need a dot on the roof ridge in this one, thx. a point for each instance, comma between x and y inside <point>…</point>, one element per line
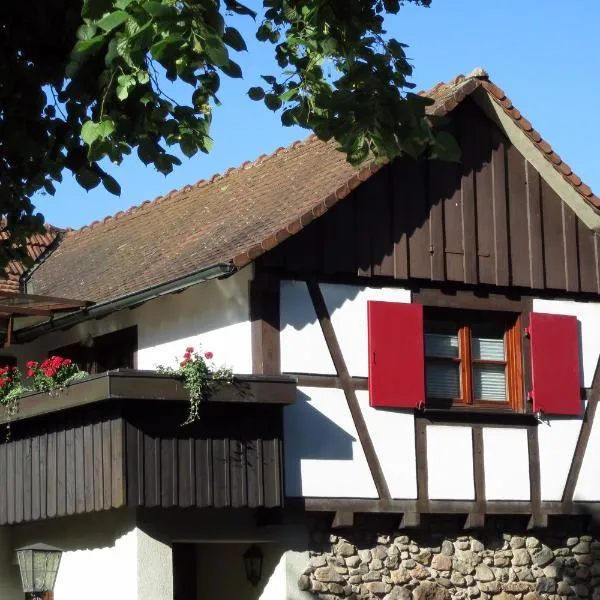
<point>69,231</point>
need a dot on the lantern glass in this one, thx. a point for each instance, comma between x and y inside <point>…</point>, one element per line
<point>38,564</point>
<point>253,559</point>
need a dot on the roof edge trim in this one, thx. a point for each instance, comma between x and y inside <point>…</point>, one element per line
<point>588,215</point>
<point>216,271</point>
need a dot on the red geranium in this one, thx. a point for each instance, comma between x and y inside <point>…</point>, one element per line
<point>208,355</point>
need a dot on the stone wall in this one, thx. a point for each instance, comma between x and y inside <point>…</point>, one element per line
<point>459,567</point>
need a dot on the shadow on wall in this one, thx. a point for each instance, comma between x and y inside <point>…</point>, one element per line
<point>326,440</point>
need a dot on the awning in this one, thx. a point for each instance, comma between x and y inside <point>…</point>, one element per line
<point>13,304</point>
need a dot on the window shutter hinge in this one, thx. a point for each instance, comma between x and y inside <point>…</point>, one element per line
<point>527,332</point>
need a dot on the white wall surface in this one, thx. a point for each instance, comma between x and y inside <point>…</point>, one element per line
<point>588,314</point>
<point>213,315</point>
<point>557,439</point>
<point>450,463</point>
<point>324,457</point>
<point>588,483</point>
<point>303,347</point>
<point>347,305</point>
<point>506,463</point>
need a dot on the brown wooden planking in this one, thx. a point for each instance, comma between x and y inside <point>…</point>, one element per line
<point>399,219</point>
<point>501,235</point>
<point>79,471</point>
<point>70,477</point>
<point>61,472</point>
<point>535,493</point>
<point>19,482</point>
<point>88,467</point>
<point>185,472</point>
<point>382,225</point>
<point>43,475</point>
<point>27,468</point>
<point>204,474</point>
<point>534,220</point>
<point>470,166</point>
<point>421,465</point>
<point>117,440</point>
<point>569,221</point>
<point>554,249</point>
<point>51,487</point>
<point>98,473</point>
<point>500,208</point>
<point>10,482</point>
<point>435,192</point>
<point>35,478</point>
<point>106,465</point>
<point>586,263</point>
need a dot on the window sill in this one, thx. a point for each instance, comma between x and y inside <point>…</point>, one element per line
<point>479,416</point>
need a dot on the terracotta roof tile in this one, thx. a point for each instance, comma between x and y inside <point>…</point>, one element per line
<point>36,246</point>
<point>236,216</point>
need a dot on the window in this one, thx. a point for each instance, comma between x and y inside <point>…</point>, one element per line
<point>473,360</point>
<point>114,350</point>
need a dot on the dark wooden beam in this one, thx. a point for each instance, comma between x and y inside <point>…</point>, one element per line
<point>265,326</point>
<point>348,387</point>
<point>476,518</point>
<point>538,519</point>
<point>421,464</point>
<point>328,381</point>
<point>584,436</point>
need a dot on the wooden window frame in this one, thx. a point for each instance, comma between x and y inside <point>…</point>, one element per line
<point>465,320</point>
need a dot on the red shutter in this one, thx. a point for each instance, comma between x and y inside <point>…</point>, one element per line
<point>555,364</point>
<point>396,355</point>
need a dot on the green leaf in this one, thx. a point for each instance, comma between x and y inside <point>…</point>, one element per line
<point>188,146</point>
<point>86,31</point>
<point>272,101</point>
<point>269,79</point>
<point>159,10</point>
<point>123,3</point>
<point>232,69</point>
<point>143,77</point>
<point>167,46</point>
<point>113,20</point>
<point>89,46</point>
<point>289,94</point>
<point>87,178</point>
<point>234,39</point>
<point>94,9</point>
<point>239,8</point>
<point>216,52</point>
<point>256,93</point>
<point>90,132</point>
<point>106,128</point>
<point>111,185</point>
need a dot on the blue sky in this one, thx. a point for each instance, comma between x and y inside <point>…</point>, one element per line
<point>544,54</point>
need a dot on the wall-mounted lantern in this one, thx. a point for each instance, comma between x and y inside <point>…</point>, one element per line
<point>38,564</point>
<point>253,561</point>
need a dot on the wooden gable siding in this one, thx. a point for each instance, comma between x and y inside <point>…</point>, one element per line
<point>489,220</point>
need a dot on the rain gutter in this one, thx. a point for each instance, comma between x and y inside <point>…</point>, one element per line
<point>96,311</point>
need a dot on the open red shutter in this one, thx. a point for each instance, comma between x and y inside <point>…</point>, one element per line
<point>555,364</point>
<point>396,355</point>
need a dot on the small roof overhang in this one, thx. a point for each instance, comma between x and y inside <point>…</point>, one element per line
<point>13,304</point>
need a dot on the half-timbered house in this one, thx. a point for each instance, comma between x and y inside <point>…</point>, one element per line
<point>415,347</point>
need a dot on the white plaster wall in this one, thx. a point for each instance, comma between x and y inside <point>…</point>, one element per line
<point>506,463</point>
<point>393,436</point>
<point>275,586</point>
<point>213,315</point>
<point>303,347</point>
<point>347,305</point>
<point>588,314</point>
<point>323,456</point>
<point>450,463</point>
<point>154,568</point>
<point>557,440</point>
<point>588,483</point>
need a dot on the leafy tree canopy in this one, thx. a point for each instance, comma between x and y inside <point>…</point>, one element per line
<point>80,82</point>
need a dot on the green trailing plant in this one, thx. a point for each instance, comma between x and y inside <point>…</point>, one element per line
<point>200,378</point>
<point>11,389</point>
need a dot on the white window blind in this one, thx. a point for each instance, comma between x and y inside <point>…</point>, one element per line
<point>489,381</point>
<point>442,378</point>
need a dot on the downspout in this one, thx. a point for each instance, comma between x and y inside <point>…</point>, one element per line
<point>217,271</point>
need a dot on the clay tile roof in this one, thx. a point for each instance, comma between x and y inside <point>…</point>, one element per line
<point>233,217</point>
<point>36,246</point>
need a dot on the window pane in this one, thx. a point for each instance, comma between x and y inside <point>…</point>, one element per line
<point>441,344</point>
<point>487,341</point>
<point>489,382</point>
<point>443,380</point>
